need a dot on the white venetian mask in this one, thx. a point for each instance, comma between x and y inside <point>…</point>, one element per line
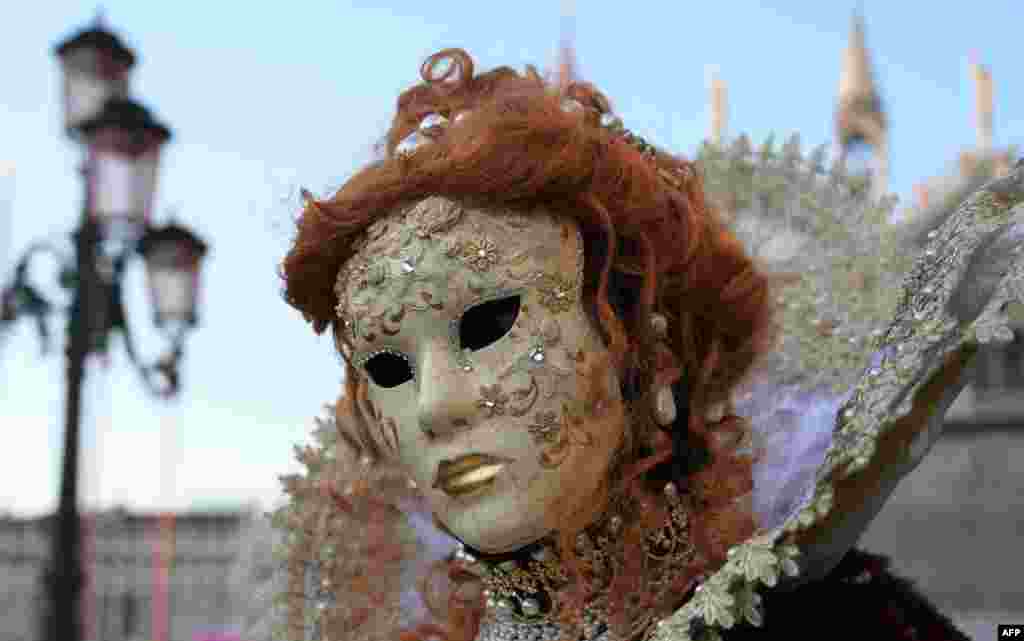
<point>480,359</point>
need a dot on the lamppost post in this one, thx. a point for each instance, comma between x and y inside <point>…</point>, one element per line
<point>66,577</point>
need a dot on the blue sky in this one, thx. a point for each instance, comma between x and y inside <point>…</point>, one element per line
<point>267,97</point>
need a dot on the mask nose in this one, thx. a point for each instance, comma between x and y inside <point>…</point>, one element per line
<point>447,401</point>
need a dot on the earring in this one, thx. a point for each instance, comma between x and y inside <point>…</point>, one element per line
<point>665,410</point>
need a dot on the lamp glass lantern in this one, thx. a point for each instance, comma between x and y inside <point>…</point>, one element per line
<point>95,65</point>
<point>124,143</point>
<point>173,255</point>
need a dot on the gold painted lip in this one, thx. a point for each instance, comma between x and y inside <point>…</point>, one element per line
<point>468,473</point>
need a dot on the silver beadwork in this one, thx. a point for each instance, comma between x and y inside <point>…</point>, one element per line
<point>530,607</point>
<point>504,607</point>
<point>583,542</point>
<point>571,105</point>
<point>433,120</point>
<point>715,413</point>
<point>410,143</point>
<point>659,325</point>
<point>672,493</point>
<point>611,121</point>
<point>527,619</point>
<point>361,363</point>
<point>615,524</point>
<point>664,406</point>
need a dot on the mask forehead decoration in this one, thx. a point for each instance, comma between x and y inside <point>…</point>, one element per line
<point>440,255</point>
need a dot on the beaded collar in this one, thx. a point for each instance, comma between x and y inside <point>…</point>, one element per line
<point>520,587</point>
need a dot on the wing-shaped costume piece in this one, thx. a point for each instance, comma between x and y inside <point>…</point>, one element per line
<point>872,356</point>
<point>839,264</point>
<point>876,332</point>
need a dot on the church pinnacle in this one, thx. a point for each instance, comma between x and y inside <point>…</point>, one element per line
<point>860,117</point>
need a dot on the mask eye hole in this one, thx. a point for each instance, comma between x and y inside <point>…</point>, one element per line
<point>388,369</point>
<point>485,323</point>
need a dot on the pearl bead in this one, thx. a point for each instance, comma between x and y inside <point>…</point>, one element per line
<point>531,607</point>
<point>664,407</point>
<point>659,325</point>
<point>671,491</point>
<point>615,524</point>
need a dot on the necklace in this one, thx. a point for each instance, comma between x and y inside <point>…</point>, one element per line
<point>521,588</point>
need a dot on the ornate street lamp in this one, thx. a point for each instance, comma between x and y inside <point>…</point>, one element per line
<point>172,256</point>
<point>95,65</point>
<point>122,145</point>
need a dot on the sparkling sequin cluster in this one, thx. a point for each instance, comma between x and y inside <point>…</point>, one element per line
<point>520,593</point>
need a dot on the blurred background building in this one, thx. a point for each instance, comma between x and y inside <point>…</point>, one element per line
<point>121,551</point>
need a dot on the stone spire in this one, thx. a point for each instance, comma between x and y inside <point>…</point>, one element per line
<point>860,117</point>
<point>983,105</point>
<point>984,150</point>
<point>566,53</point>
<point>719,109</point>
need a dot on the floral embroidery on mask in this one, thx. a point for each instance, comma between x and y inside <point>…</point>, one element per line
<point>420,259</point>
<point>570,433</point>
<point>480,254</point>
<point>376,275</point>
<point>550,332</point>
<point>545,427</point>
<point>492,400</point>
<point>517,221</point>
<point>527,396</point>
<point>537,354</point>
<point>377,229</point>
<point>557,294</point>
<point>389,433</point>
<point>452,247</point>
<point>359,276</point>
<point>431,217</point>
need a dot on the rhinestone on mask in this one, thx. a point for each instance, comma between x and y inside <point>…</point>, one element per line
<point>611,121</point>
<point>571,105</point>
<point>432,121</point>
<point>410,143</point>
<point>361,363</point>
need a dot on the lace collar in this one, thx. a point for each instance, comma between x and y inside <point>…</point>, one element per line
<point>522,587</point>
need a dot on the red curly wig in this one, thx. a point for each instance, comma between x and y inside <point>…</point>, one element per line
<point>647,230</point>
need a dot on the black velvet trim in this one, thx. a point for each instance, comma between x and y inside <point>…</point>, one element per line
<point>859,599</point>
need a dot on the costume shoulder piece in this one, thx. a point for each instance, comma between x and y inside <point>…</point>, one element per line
<point>872,423</point>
